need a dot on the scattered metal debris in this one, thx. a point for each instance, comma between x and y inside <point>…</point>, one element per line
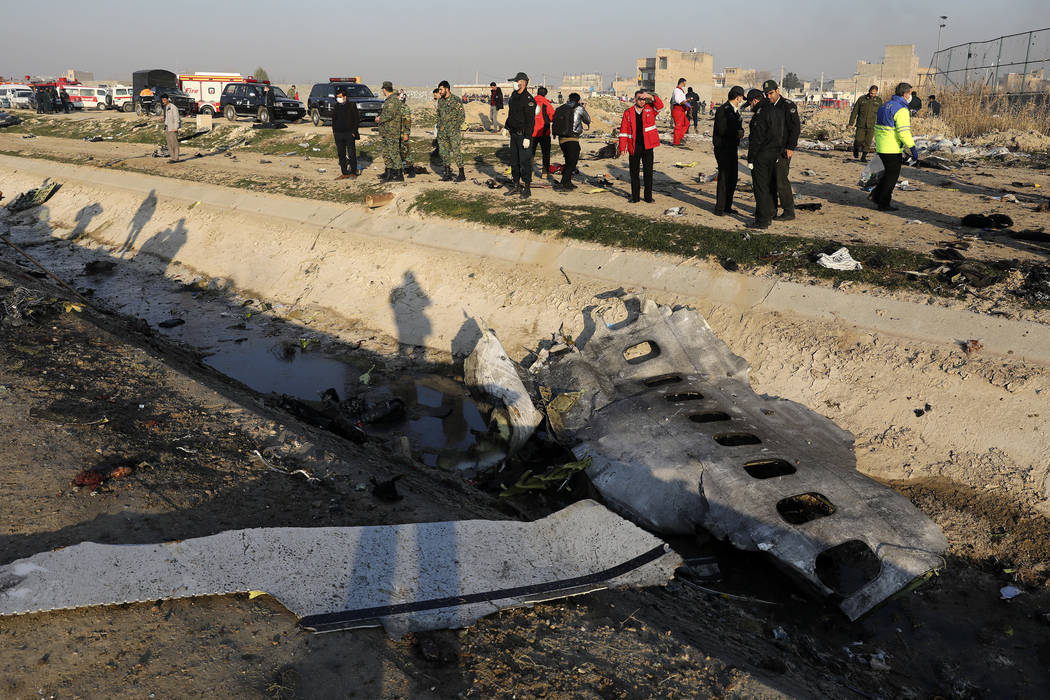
<point>680,441</point>
<point>406,578</point>
<point>34,197</point>
<point>488,371</point>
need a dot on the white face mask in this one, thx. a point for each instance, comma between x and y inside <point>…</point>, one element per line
<point>340,100</point>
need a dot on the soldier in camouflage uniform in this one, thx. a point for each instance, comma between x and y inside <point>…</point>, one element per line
<point>406,130</point>
<point>450,118</point>
<point>390,129</point>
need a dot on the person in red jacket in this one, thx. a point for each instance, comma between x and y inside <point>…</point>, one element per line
<point>638,138</point>
<point>541,133</point>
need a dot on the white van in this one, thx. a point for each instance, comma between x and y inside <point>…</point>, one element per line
<point>86,97</point>
<point>120,98</point>
<point>16,96</point>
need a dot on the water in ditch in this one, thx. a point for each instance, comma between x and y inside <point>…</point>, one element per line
<point>251,342</point>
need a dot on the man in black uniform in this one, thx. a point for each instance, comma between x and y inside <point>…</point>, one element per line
<point>762,151</point>
<point>729,129</point>
<point>520,121</point>
<point>345,123</point>
<point>694,106</point>
<point>787,113</point>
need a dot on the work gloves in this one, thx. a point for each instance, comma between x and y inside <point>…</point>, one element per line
<point>525,143</point>
<point>915,154</point>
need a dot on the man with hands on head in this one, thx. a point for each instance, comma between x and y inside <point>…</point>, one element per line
<point>638,138</point>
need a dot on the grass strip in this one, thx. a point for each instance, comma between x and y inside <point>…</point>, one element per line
<point>884,266</point>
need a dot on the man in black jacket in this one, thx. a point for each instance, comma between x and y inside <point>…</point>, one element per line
<point>729,129</point>
<point>789,129</point>
<point>762,152</point>
<point>268,102</point>
<point>345,120</point>
<point>521,119</point>
<point>694,106</point>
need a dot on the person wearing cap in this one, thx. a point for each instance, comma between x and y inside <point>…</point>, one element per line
<point>762,151</point>
<point>679,112</point>
<point>389,123</point>
<point>863,115</point>
<point>638,138</point>
<point>790,127</point>
<point>729,129</point>
<point>541,132</point>
<point>450,118</point>
<point>172,124</point>
<point>345,123</point>
<point>892,136</point>
<point>404,145</point>
<point>495,105</point>
<point>520,122</point>
<point>915,104</point>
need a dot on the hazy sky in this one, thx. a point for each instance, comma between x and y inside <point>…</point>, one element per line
<point>418,43</point>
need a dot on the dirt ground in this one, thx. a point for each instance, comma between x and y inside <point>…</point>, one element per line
<point>975,462</point>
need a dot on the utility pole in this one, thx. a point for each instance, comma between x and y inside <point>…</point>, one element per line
<point>821,82</point>
<point>477,76</point>
<point>781,75</point>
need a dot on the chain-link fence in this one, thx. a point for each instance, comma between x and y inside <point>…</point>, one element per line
<point>1015,64</point>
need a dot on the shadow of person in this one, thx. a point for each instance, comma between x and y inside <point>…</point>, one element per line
<point>138,222</point>
<point>164,245</point>
<point>83,219</point>
<point>408,300</point>
<point>467,337</point>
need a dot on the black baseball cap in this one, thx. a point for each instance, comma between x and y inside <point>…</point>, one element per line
<point>736,91</point>
<point>754,94</point>
<point>519,76</point>
<point>769,86</point>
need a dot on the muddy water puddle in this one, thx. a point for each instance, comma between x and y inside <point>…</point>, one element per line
<point>248,340</point>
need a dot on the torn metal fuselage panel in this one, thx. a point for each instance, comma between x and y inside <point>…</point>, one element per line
<point>680,441</point>
<point>406,578</point>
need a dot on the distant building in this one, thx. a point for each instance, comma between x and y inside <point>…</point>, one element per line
<point>660,73</point>
<point>744,77</point>
<point>582,83</point>
<point>623,86</point>
<point>81,76</point>
<point>899,64</point>
<point>1032,81</point>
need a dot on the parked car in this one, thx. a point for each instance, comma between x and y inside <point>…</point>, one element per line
<point>322,97</point>
<point>245,99</point>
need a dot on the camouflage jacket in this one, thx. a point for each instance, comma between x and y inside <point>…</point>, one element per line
<point>389,120</point>
<point>406,119</point>
<point>450,115</point>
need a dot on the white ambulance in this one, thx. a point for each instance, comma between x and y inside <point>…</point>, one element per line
<point>120,98</point>
<point>87,97</point>
<point>206,88</point>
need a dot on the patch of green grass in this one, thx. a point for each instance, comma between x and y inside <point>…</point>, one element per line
<point>884,266</point>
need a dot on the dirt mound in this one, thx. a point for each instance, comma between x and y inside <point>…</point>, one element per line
<point>1014,139</point>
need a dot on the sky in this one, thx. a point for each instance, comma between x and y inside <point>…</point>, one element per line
<point>416,43</point>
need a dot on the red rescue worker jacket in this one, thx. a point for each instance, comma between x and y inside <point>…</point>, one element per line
<point>651,138</point>
<point>543,123</point>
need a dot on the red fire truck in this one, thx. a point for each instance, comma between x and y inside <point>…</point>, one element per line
<point>206,88</point>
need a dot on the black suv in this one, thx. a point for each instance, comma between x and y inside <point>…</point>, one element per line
<point>322,97</point>
<point>246,100</point>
